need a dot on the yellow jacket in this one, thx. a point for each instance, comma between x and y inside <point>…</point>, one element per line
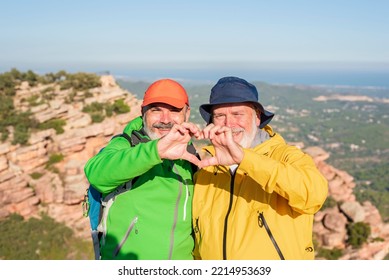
<point>264,211</point>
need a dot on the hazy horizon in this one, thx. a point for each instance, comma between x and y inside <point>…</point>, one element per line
<point>335,74</point>
<point>321,42</point>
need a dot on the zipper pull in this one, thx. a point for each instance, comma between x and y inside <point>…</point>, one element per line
<point>85,204</point>
<point>196,228</point>
<point>260,219</point>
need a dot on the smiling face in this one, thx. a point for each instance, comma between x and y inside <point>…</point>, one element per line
<point>159,118</point>
<point>242,118</point>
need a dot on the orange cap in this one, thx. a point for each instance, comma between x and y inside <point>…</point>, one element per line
<point>166,91</point>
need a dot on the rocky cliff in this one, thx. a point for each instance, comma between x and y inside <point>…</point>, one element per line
<point>59,191</point>
<point>330,225</point>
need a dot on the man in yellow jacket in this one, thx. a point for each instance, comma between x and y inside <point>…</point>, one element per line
<point>255,196</point>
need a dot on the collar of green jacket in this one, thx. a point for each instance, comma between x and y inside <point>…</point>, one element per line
<point>134,125</point>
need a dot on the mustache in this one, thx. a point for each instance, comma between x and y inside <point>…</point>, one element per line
<point>170,125</point>
<point>237,129</point>
<point>163,125</point>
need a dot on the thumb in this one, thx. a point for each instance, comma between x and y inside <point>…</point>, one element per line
<point>208,162</point>
<point>191,158</point>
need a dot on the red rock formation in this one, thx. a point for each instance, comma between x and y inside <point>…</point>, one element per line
<point>330,223</point>
<point>58,194</point>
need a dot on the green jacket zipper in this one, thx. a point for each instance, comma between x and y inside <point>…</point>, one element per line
<point>187,194</point>
<point>130,228</point>
<point>175,215</point>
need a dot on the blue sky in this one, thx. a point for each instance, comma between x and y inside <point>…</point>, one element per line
<point>95,35</point>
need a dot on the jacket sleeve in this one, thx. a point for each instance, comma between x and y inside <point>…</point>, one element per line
<point>118,163</point>
<point>290,173</point>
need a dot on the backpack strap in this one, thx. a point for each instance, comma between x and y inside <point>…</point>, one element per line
<point>138,137</point>
<point>192,150</point>
<point>135,138</point>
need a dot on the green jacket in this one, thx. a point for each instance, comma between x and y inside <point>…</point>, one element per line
<point>153,219</point>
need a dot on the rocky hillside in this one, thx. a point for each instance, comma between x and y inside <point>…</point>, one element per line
<point>30,183</point>
<point>27,185</point>
<point>330,226</point>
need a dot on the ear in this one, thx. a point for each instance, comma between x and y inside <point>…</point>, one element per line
<point>258,121</point>
<point>258,118</point>
<point>187,113</point>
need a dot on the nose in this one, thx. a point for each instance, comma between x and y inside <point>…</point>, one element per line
<point>165,117</point>
<point>229,120</point>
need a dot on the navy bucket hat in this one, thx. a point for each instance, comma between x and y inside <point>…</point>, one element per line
<point>234,90</point>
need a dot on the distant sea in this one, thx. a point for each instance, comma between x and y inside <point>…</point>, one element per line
<point>352,78</point>
<point>329,75</point>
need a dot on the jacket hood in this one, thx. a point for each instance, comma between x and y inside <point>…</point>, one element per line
<point>134,125</point>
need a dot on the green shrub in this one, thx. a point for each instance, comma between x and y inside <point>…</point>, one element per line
<point>329,254</point>
<point>36,175</point>
<point>34,100</point>
<point>54,158</point>
<point>57,124</point>
<point>21,135</point>
<point>88,94</point>
<point>21,121</point>
<point>97,118</point>
<point>109,110</point>
<point>80,81</point>
<point>7,84</point>
<point>48,93</point>
<point>96,111</point>
<point>94,107</point>
<point>329,203</point>
<point>119,107</point>
<point>39,239</point>
<point>32,78</point>
<point>358,234</point>
<point>378,239</point>
<point>6,111</point>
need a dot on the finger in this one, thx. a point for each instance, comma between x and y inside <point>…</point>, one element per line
<point>191,158</point>
<point>180,129</point>
<point>213,131</point>
<point>194,130</point>
<point>223,129</point>
<point>207,129</point>
<point>208,162</point>
<point>199,135</point>
<point>190,126</point>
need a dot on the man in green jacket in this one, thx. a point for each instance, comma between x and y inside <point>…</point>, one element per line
<point>150,217</point>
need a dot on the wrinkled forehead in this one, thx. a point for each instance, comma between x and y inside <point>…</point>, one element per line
<point>161,105</point>
<point>232,107</point>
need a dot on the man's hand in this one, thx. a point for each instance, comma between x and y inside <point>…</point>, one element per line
<point>173,145</point>
<point>227,151</point>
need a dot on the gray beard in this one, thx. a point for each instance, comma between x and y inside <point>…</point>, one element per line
<point>152,135</point>
<point>260,137</point>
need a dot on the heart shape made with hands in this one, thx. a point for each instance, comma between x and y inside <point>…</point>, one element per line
<point>227,152</point>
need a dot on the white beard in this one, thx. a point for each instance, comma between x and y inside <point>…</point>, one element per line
<point>247,139</point>
<point>151,134</point>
